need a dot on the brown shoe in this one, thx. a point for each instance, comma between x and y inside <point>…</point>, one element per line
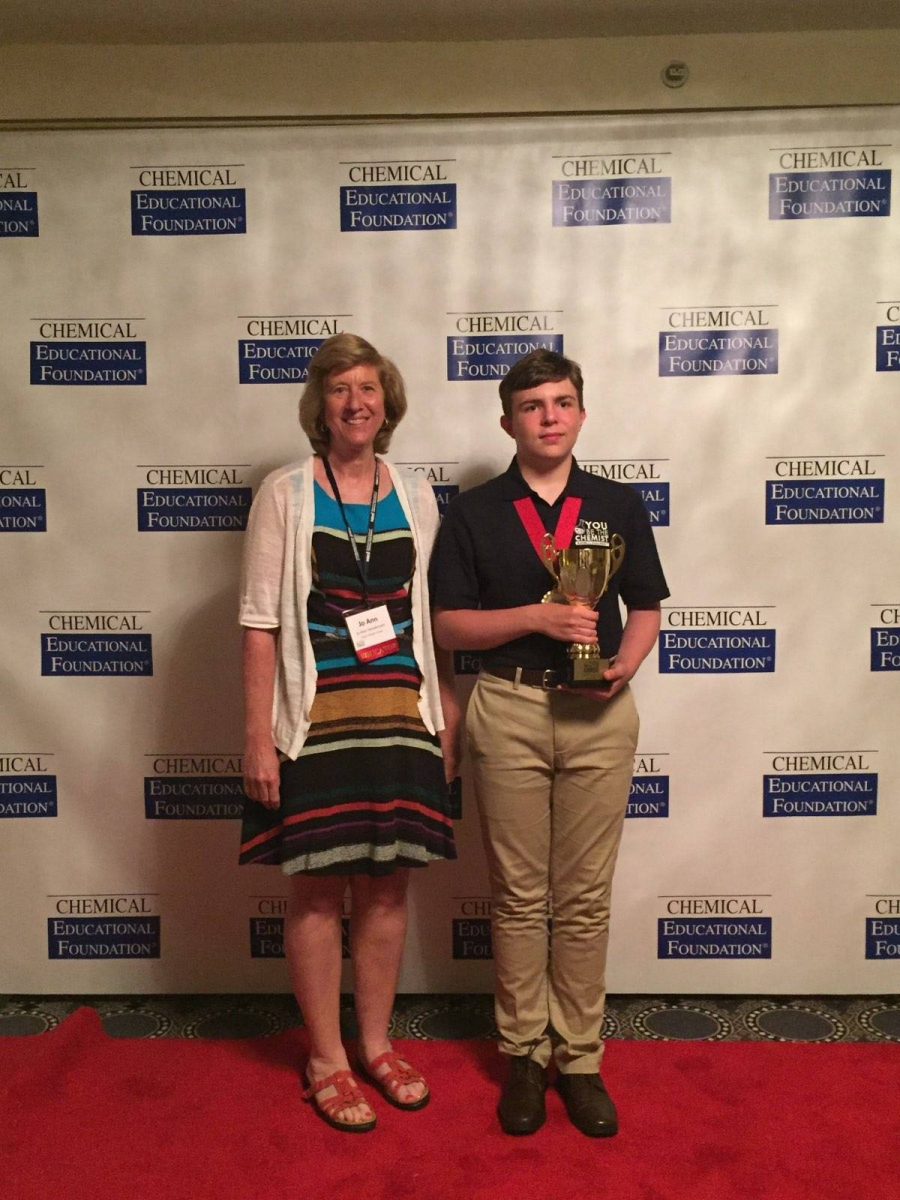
<point>521,1108</point>
<point>588,1104</point>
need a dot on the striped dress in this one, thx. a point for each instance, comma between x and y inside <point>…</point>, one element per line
<point>367,793</point>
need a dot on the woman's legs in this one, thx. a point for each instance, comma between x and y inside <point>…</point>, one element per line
<point>312,946</point>
<point>377,933</point>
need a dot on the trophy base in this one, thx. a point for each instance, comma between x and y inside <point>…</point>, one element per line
<point>587,672</point>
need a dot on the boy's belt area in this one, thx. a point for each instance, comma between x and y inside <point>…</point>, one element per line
<point>530,676</point>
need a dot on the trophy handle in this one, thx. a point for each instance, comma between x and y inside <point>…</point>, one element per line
<point>549,553</point>
<point>616,554</point>
<point>612,561</point>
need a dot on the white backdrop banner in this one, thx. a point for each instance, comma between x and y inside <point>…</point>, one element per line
<point>729,284</point>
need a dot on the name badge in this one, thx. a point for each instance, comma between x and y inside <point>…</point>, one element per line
<point>372,632</point>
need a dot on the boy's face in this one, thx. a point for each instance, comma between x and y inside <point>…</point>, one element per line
<point>545,421</point>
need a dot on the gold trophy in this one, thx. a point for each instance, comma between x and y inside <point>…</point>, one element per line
<point>582,575</point>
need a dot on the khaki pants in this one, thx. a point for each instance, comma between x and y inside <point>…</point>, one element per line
<point>552,772</point>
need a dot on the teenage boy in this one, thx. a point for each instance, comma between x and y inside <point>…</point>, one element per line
<point>551,765</point>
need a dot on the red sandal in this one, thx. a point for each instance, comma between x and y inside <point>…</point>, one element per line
<point>348,1096</point>
<point>399,1074</point>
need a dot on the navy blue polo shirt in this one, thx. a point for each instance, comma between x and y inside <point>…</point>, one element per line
<point>483,558</point>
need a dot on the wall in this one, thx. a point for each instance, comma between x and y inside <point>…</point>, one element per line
<point>98,740</point>
<point>148,381</point>
<point>56,84</point>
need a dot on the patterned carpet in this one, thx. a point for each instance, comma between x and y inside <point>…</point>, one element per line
<point>706,1018</point>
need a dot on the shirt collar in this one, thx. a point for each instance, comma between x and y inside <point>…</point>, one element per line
<point>514,487</point>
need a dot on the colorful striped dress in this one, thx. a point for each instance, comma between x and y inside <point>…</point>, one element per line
<point>367,793</point>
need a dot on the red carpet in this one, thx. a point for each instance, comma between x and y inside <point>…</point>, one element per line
<point>95,1118</point>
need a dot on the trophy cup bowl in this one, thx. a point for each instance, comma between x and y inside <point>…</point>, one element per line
<point>583,574</point>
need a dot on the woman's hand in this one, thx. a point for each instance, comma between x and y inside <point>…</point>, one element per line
<point>261,773</point>
<point>451,735</point>
<point>451,748</point>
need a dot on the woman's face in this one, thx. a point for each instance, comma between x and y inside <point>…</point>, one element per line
<point>354,407</point>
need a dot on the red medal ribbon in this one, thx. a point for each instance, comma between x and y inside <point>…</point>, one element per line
<point>534,527</point>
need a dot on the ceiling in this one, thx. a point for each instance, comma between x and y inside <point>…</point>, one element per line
<point>223,21</point>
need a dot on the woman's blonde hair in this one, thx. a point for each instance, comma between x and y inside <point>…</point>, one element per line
<point>340,353</point>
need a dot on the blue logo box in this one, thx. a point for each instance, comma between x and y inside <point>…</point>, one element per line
<point>850,794</point>
<point>444,493</point>
<point>96,654</point>
<point>89,364</point>
<point>887,348</point>
<point>267,937</point>
<point>648,797</point>
<point>198,212</point>
<point>656,501</point>
<point>275,360</point>
<point>646,200</point>
<point>465,662</point>
<point>472,937</point>
<point>193,797</point>
<point>192,510</point>
<point>23,510</point>
<point>837,502</point>
<point>387,207</point>
<point>28,796</point>
<point>818,195</point>
<point>885,648</point>
<point>685,354</point>
<point>883,938</point>
<point>714,937</point>
<point>490,356</point>
<point>710,652</point>
<point>18,214</point>
<point>103,937</point>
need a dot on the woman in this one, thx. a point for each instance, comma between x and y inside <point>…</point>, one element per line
<point>344,713</point>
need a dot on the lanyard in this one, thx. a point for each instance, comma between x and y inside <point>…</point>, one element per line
<point>362,565</point>
<point>534,526</point>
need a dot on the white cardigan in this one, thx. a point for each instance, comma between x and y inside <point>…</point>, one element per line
<point>277,577</point>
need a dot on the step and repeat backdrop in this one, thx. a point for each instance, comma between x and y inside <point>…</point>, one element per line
<point>730,285</point>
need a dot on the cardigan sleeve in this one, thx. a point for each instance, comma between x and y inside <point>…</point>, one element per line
<point>263,561</point>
